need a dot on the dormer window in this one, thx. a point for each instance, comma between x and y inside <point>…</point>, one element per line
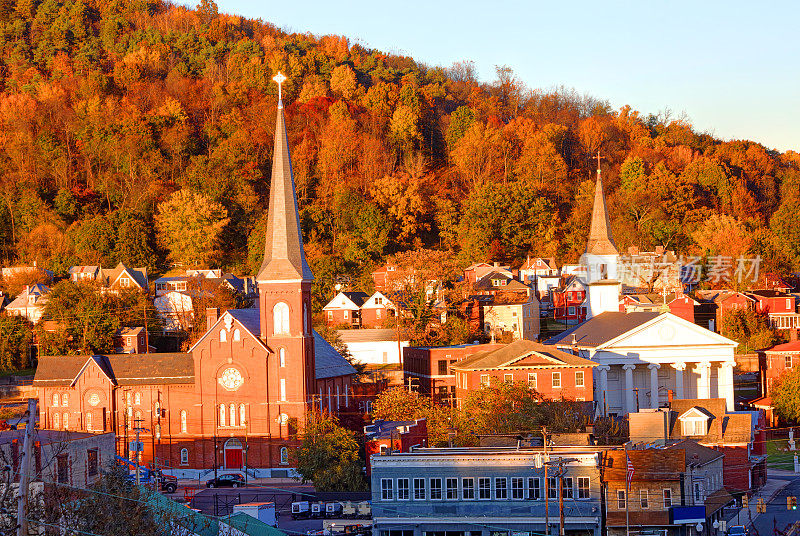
<point>694,422</point>
<point>124,282</point>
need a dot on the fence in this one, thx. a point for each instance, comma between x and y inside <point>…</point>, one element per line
<point>220,502</point>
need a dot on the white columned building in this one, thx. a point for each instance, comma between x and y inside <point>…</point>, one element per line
<point>645,356</point>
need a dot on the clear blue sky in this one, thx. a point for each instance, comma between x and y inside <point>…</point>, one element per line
<point>733,67</point>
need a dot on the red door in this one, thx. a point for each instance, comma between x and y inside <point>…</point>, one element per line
<point>233,458</point>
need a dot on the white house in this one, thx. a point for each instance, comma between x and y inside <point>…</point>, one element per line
<point>373,346</point>
<point>30,302</point>
<point>176,310</point>
<point>644,355</point>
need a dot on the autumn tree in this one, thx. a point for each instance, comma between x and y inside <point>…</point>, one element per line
<point>16,336</point>
<point>786,395</point>
<point>328,456</point>
<point>189,225</point>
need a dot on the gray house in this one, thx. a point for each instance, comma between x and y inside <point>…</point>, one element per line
<point>486,492</point>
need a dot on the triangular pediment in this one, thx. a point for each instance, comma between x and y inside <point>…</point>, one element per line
<point>532,359</point>
<point>695,413</point>
<point>93,363</point>
<point>668,330</point>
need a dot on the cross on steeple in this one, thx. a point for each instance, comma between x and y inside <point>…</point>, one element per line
<point>279,79</point>
<point>598,162</point>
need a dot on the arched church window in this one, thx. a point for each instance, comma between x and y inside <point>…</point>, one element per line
<point>184,426</point>
<point>282,357</point>
<point>137,398</point>
<point>242,415</point>
<point>237,335</point>
<point>232,416</point>
<point>223,335</point>
<point>284,456</point>
<point>56,420</point>
<point>280,318</point>
<point>55,400</point>
<point>65,400</point>
<point>222,414</point>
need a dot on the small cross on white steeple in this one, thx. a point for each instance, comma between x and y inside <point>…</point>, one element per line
<point>279,79</point>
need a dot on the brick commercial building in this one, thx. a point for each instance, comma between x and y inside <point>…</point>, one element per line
<point>553,373</point>
<point>240,396</point>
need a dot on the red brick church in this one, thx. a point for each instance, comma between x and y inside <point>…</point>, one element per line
<point>240,396</point>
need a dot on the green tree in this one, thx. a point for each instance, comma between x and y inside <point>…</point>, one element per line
<point>189,225</point>
<point>133,242</point>
<point>460,121</point>
<point>786,395</point>
<point>16,335</point>
<point>329,456</point>
<point>750,329</point>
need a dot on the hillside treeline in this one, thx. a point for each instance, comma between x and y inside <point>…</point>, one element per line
<point>141,131</point>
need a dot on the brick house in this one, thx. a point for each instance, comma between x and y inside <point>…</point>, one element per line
<point>376,310</point>
<point>680,305</point>
<point>715,303</point>
<point>345,309</point>
<point>429,368</point>
<point>240,396</point>
<point>130,341</point>
<point>780,306</point>
<point>772,364</point>
<point>553,373</point>
<point>123,277</point>
<point>570,302</point>
<point>382,437</point>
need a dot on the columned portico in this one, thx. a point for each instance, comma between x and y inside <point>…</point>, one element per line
<point>654,384</point>
<point>630,406</point>
<point>679,368</point>
<point>725,384</point>
<point>600,397</point>
<point>704,382</point>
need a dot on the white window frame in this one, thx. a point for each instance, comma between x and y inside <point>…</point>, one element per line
<point>184,456</point>
<point>534,488</point>
<point>568,489</point>
<point>508,377</point>
<point>644,500</point>
<point>468,491</point>
<point>484,491</point>
<point>403,489</point>
<point>584,492</point>
<point>451,489</point>
<point>485,380</point>
<point>420,489</point>
<point>787,360</point>
<point>532,381</point>
<point>580,379</point>
<point>436,489</point>
<point>517,488</point>
<point>387,489</point>
<point>621,498</point>
<point>552,487</point>
<point>556,380</point>
<point>501,488</point>
<point>694,427</point>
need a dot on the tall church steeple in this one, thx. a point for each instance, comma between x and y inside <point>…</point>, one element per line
<point>284,258</point>
<point>600,240</point>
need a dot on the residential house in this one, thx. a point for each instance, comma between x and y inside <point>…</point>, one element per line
<point>382,437</point>
<point>679,304</point>
<point>570,304</point>
<point>486,492</point>
<point>345,309</point>
<point>123,277</point>
<point>645,356</point>
<point>377,310</point>
<point>494,282</point>
<point>80,274</point>
<point>60,456</point>
<point>716,303</point>
<point>541,274</point>
<point>737,435</point>
<point>513,315</point>
<point>10,272</point>
<point>373,347</point>
<point>176,310</point>
<point>429,369</point>
<point>246,386</point>
<point>381,277</point>
<point>553,373</point>
<point>30,302</point>
<point>779,306</point>
<point>671,490</point>
<point>772,364</point>
<point>131,340</point>
<point>477,271</point>
<point>197,280</point>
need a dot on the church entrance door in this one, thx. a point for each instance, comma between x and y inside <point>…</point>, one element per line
<point>233,454</point>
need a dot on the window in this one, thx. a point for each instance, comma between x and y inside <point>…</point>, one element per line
<point>443,367</point>
<point>237,335</point>
<point>583,487</point>
<point>508,378</point>
<point>621,499</point>
<point>556,380</point>
<point>184,425</point>
<point>282,357</point>
<point>694,427</point>
<point>788,358</point>
<point>467,488</point>
<point>88,421</point>
<point>280,318</point>
<point>452,488</point>
<point>517,488</point>
<point>222,414</point>
<point>65,419</point>
<point>330,316</point>
<point>55,400</point>
<point>532,380</point>
<point>567,483</point>
<point>62,468</point>
<point>56,420</point>
<point>643,499</point>
<point>485,488</point>
<point>137,399</point>
<point>184,456</point>
<point>386,489</point>
<point>419,489</point>
<point>284,456</point>
<point>242,415</point>
<point>157,431</point>
<point>500,488</point>
<point>283,388</point>
<point>698,492</point>
<point>402,489</point>
<point>570,311</point>
<point>223,335</point>
<point>436,488</point>
<point>534,489</point>
<point>579,379</point>
<point>484,379</point>
<point>378,314</point>
<point>552,487</point>
<point>346,314</point>
<point>124,282</point>
<point>65,400</point>
<point>667,498</point>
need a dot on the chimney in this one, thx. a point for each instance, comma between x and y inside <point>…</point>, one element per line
<point>212,315</point>
<point>496,264</point>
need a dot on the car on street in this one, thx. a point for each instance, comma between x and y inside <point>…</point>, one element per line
<point>227,480</point>
<point>737,530</point>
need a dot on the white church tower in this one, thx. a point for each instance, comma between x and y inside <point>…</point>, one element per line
<point>601,259</point>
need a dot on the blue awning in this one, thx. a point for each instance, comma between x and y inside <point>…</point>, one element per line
<point>687,514</point>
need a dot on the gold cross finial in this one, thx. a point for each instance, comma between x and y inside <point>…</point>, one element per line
<point>279,79</point>
<point>598,162</point>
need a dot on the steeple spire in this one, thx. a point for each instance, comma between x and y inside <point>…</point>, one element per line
<point>284,258</point>
<point>600,240</point>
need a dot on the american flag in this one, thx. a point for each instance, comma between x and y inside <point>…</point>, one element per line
<point>630,468</point>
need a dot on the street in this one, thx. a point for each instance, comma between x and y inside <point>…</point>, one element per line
<point>777,515</point>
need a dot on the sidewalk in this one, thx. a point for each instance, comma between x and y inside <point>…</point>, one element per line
<point>768,492</point>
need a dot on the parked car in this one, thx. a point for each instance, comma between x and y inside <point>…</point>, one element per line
<point>737,530</point>
<point>228,480</point>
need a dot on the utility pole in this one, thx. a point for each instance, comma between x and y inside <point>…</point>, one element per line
<point>546,487</point>
<point>560,475</point>
<point>25,470</point>
<point>138,430</point>
<point>146,334</point>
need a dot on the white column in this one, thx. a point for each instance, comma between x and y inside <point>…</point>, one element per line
<point>654,384</point>
<point>630,405</point>
<point>679,368</point>
<point>725,383</point>
<point>602,389</point>
<point>703,383</point>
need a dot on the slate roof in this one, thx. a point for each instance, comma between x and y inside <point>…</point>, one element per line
<point>603,328</point>
<point>696,454</point>
<point>123,369</point>
<point>522,354</point>
<point>648,464</point>
<point>284,258</point>
<point>139,275</point>
<point>600,239</point>
<point>21,301</point>
<point>329,363</point>
<point>367,335</point>
<point>722,427</point>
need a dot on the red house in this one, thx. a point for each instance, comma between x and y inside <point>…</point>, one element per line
<point>569,303</point>
<point>377,310</point>
<point>553,373</point>
<point>780,307</point>
<point>382,437</point>
<point>238,399</point>
<point>344,309</point>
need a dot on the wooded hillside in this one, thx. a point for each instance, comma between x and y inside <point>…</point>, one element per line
<point>131,129</point>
